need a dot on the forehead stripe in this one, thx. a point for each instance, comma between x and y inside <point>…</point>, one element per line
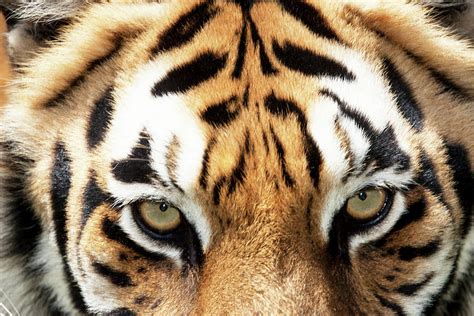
<point>93,65</point>
<point>403,94</point>
<point>284,108</point>
<point>384,148</point>
<point>137,167</point>
<point>185,77</point>
<point>100,119</point>
<point>185,28</point>
<point>60,186</point>
<point>221,114</point>
<point>310,17</point>
<point>308,63</point>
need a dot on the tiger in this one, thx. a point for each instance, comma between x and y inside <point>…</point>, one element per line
<point>236,157</point>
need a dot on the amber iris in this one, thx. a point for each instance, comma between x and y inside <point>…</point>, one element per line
<point>159,216</point>
<point>366,204</point>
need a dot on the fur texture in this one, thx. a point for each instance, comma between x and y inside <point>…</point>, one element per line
<point>259,121</point>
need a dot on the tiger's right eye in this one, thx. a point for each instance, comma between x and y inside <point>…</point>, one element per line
<point>159,217</point>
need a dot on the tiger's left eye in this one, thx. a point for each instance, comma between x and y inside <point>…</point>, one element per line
<point>366,204</point>
<point>160,217</point>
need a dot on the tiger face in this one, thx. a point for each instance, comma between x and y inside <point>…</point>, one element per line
<point>240,157</point>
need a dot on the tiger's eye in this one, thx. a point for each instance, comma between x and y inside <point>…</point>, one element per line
<point>366,204</point>
<point>160,216</point>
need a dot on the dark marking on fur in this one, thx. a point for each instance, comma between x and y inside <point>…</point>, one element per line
<point>463,177</point>
<point>139,300</point>
<point>408,253</point>
<point>216,191</point>
<point>427,178</point>
<point>185,77</point>
<point>114,232</point>
<point>390,278</point>
<point>121,312</point>
<point>93,197</point>
<point>265,63</point>
<point>137,167</point>
<point>284,108</point>
<point>411,289</point>
<point>185,28</point>
<point>404,98</point>
<point>60,186</point>
<point>100,119</point>
<point>238,173</point>
<point>308,63</point>
<point>118,278</point>
<point>92,66</point>
<point>394,307</point>
<point>448,85</point>
<point>239,63</point>
<point>414,213</point>
<point>384,151</point>
<point>222,113</point>
<point>205,163</point>
<point>310,17</point>
<point>289,181</point>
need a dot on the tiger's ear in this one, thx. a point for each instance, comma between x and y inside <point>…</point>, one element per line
<point>4,62</point>
<point>413,27</point>
<point>32,23</point>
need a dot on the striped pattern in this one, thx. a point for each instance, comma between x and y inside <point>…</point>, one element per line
<point>257,120</point>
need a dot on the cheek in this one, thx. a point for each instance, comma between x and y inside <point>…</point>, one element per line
<point>117,273</point>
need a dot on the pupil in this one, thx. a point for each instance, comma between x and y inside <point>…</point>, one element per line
<point>163,206</point>
<point>362,195</point>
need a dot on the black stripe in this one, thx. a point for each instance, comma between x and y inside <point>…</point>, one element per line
<point>20,219</point>
<point>289,182</point>
<point>384,150</point>
<point>93,197</point>
<point>238,174</point>
<point>463,177</point>
<point>409,253</point>
<point>222,113</point>
<point>121,312</point>
<point>216,191</point>
<point>93,65</point>
<point>427,178</point>
<point>310,17</point>
<point>171,163</point>
<point>397,309</point>
<point>185,28</point>
<point>205,163</point>
<point>414,213</point>
<point>411,289</point>
<point>60,186</point>
<point>239,63</point>
<point>118,278</point>
<point>185,77</point>
<point>308,63</point>
<point>283,108</point>
<point>265,63</point>
<point>245,97</point>
<point>115,233</point>
<point>406,102</point>
<point>137,167</point>
<point>447,84</point>
<point>100,119</point>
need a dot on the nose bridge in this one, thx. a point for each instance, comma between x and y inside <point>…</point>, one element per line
<point>261,268</point>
